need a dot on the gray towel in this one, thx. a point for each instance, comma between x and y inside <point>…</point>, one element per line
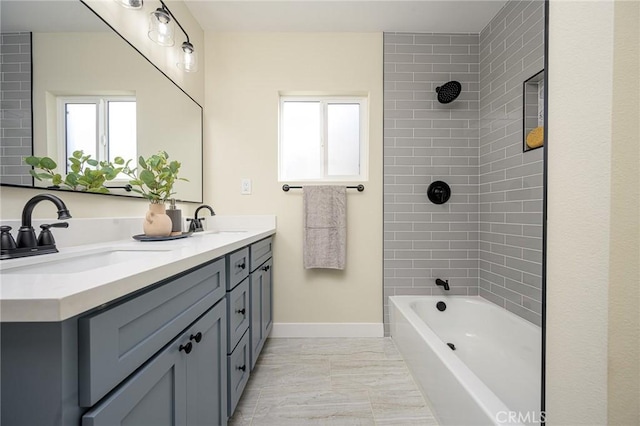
<point>325,226</point>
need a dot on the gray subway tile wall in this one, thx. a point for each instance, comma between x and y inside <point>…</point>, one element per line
<point>427,141</point>
<point>511,187</point>
<point>15,108</point>
<point>487,239</point>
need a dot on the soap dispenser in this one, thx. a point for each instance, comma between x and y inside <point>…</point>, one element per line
<point>176,217</point>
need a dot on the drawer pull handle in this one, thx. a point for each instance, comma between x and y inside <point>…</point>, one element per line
<point>197,337</point>
<point>242,368</point>
<point>266,268</point>
<point>240,311</point>
<point>242,265</point>
<point>186,348</point>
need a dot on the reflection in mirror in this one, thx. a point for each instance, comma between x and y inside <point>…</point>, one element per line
<point>91,91</point>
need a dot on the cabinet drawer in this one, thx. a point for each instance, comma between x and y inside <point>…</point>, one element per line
<point>238,369</point>
<point>260,252</point>
<point>237,267</point>
<point>237,314</point>
<point>113,343</point>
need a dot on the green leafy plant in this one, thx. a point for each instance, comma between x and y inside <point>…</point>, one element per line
<point>154,177</point>
<point>87,174</point>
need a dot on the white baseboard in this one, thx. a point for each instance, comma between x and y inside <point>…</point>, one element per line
<point>327,330</point>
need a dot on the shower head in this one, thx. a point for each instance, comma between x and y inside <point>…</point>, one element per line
<point>448,92</point>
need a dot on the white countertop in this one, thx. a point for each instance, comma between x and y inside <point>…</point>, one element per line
<point>54,294</point>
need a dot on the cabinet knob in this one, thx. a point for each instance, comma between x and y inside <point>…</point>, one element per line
<point>242,368</point>
<point>266,268</point>
<point>240,311</point>
<point>242,265</point>
<point>197,337</point>
<point>186,348</point>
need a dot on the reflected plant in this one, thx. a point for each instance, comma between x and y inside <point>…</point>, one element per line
<point>86,175</point>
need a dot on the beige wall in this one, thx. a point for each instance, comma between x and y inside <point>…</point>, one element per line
<point>245,73</point>
<point>624,283</point>
<point>592,279</point>
<point>579,198</point>
<point>132,25</point>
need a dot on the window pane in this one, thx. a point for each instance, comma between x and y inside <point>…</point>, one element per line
<point>81,128</point>
<point>122,130</point>
<point>343,129</point>
<point>301,152</point>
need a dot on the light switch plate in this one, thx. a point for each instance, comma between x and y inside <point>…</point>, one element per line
<point>245,186</point>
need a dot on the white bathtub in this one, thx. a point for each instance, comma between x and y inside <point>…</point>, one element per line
<point>493,376</point>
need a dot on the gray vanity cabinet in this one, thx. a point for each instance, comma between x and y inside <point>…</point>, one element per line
<point>114,342</point>
<point>261,293</point>
<point>157,357</point>
<point>184,384</point>
<point>250,307</point>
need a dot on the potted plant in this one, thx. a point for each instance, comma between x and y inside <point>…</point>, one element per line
<point>154,179</point>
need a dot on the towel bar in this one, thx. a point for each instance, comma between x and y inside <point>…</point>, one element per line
<point>286,187</point>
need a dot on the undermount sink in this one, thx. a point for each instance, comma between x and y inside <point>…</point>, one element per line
<point>216,231</point>
<point>79,262</point>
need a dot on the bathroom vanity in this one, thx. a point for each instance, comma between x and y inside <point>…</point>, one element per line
<point>158,333</point>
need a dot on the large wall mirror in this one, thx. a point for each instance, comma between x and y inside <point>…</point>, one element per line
<point>71,82</point>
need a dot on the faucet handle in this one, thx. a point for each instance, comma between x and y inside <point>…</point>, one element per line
<point>194,224</point>
<point>46,226</point>
<point>6,239</point>
<point>46,237</point>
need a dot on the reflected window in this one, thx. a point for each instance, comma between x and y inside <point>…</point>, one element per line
<point>104,127</point>
<point>323,139</point>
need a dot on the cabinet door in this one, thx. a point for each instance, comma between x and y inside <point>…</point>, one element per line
<point>261,308</point>
<point>185,384</point>
<point>256,285</point>
<point>153,396</point>
<point>267,299</point>
<point>207,369</point>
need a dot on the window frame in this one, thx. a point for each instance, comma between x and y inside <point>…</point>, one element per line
<point>102,125</point>
<point>325,100</point>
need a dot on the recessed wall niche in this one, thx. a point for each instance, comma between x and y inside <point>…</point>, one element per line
<point>533,112</point>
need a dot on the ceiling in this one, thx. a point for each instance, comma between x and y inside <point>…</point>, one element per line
<point>454,16</point>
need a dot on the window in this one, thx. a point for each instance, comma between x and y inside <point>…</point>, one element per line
<point>104,127</point>
<point>323,139</point>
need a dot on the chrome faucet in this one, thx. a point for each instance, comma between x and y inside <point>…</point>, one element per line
<point>195,224</point>
<point>444,284</point>
<point>26,243</point>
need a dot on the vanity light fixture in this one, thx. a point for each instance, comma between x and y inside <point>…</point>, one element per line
<point>130,4</point>
<point>161,31</point>
<point>189,58</point>
<point>161,26</point>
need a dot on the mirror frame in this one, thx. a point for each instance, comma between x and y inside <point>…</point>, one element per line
<point>126,195</point>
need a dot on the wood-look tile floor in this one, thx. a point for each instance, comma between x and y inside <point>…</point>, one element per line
<point>343,381</point>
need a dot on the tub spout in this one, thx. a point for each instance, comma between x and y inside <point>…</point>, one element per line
<point>442,283</point>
